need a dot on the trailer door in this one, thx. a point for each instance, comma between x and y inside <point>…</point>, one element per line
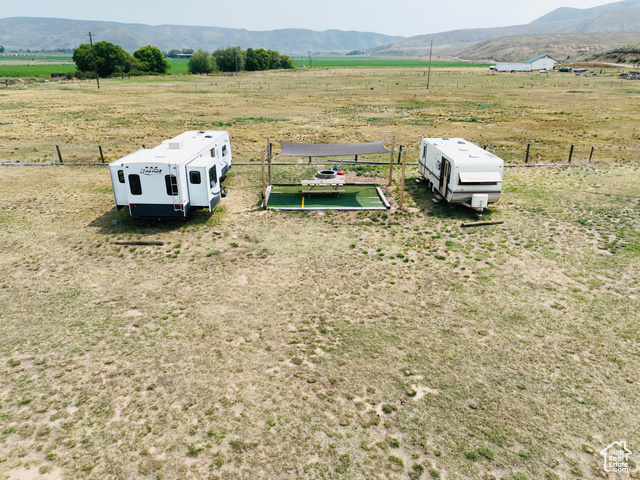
<point>213,185</point>
<point>197,182</point>
<point>445,175</point>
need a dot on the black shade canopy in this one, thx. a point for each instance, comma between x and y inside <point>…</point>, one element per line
<point>331,149</point>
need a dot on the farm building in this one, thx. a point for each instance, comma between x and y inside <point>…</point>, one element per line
<point>540,62</point>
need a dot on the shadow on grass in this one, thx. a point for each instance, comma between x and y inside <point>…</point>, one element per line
<point>117,222</point>
<point>421,194</point>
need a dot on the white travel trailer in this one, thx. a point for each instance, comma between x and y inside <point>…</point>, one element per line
<point>512,67</point>
<point>461,172</point>
<point>174,177</point>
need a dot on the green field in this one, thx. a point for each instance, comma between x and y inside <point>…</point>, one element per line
<point>25,65</point>
<point>43,65</point>
<point>34,70</point>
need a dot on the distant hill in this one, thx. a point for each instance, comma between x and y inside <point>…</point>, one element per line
<point>614,17</point>
<point>53,33</point>
<point>565,13</point>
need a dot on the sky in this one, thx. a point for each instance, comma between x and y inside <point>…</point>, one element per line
<point>391,17</point>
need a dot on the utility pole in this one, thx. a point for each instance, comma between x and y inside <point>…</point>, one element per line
<point>95,63</point>
<point>429,74</point>
<point>310,61</point>
<point>236,61</point>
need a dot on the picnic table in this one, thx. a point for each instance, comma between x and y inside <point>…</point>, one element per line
<point>323,185</point>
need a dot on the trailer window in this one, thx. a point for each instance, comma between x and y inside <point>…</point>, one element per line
<point>424,152</point>
<point>171,182</point>
<point>194,177</point>
<point>480,178</point>
<point>224,151</point>
<point>134,184</point>
<point>121,176</point>
<point>213,176</point>
<point>213,153</point>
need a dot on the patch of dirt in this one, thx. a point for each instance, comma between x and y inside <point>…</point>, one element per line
<point>34,474</point>
<point>421,392</point>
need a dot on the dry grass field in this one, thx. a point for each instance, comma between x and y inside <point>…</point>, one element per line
<point>256,344</point>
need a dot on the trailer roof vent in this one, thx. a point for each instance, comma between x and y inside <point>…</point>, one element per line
<point>208,136</point>
<point>445,138</point>
<point>175,145</point>
<point>461,142</point>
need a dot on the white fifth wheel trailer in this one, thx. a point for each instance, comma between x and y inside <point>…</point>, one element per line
<point>174,177</point>
<point>461,172</point>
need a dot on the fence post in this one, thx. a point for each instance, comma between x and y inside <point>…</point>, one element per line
<point>263,181</point>
<point>393,148</point>
<point>570,154</point>
<point>101,154</point>
<point>59,154</point>
<point>591,154</point>
<point>526,160</point>
<point>404,163</point>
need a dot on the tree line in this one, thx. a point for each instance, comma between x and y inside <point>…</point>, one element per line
<point>112,59</point>
<point>234,59</point>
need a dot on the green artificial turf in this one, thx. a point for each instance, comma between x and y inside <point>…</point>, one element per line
<point>363,197</point>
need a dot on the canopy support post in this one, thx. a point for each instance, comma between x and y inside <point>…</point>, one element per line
<point>393,149</point>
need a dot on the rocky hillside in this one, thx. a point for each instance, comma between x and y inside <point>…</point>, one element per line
<point>559,46</point>
<point>623,54</point>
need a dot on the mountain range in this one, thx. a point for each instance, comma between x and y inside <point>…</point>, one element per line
<point>610,18</point>
<point>53,33</point>
<point>562,33</point>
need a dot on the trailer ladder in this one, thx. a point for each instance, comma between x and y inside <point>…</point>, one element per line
<point>175,197</point>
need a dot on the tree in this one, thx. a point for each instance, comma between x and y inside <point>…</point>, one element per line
<point>262,59</point>
<point>110,58</point>
<point>150,59</point>
<point>200,62</point>
<point>1,49</point>
<point>230,59</point>
<point>278,61</point>
<point>256,60</point>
